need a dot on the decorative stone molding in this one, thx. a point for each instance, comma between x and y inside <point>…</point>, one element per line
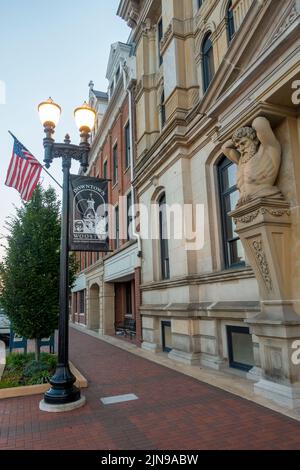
<point>133,14</point>
<point>167,36</point>
<point>290,18</point>
<point>146,26</point>
<point>247,218</point>
<point>262,262</point>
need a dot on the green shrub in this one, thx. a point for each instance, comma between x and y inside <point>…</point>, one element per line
<point>33,368</point>
<point>17,361</point>
<point>22,369</point>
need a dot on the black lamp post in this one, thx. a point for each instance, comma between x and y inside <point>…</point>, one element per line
<point>62,389</point>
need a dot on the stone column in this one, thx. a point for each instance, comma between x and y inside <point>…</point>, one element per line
<point>108,309</point>
<point>264,226</point>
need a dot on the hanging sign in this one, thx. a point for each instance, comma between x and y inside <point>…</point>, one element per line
<point>88,214</point>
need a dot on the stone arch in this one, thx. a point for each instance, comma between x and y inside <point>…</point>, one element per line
<point>154,221</point>
<point>209,27</point>
<point>214,213</point>
<point>223,9</point>
<point>94,307</point>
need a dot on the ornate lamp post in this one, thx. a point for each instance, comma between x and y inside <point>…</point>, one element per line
<point>63,391</point>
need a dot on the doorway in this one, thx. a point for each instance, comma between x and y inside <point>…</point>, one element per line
<point>94,308</point>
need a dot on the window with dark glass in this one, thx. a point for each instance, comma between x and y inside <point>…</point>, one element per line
<point>199,3</point>
<point>208,62</point>
<point>240,348</point>
<point>229,195</point>
<point>230,22</point>
<point>163,235</point>
<point>82,301</point>
<point>163,109</point>
<point>117,226</point>
<point>105,170</point>
<point>115,164</point>
<point>160,36</point>
<point>118,74</point>
<point>129,216</point>
<point>127,145</point>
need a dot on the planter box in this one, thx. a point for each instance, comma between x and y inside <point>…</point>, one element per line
<point>27,390</point>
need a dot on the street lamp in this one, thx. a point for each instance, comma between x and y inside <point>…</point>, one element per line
<point>63,391</point>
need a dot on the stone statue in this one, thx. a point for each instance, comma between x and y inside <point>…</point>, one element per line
<point>257,152</point>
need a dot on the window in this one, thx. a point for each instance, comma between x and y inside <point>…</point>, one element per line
<point>240,348</point>
<point>105,170</point>
<point>128,299</point>
<point>81,301</point>
<point>229,195</point>
<point>129,216</point>
<point>160,36</point>
<point>118,74</point>
<point>127,145</point>
<point>115,164</point>
<point>199,3</point>
<point>208,62</point>
<point>117,222</point>
<point>230,22</point>
<point>163,110</point>
<point>163,235</point>
<point>166,336</point>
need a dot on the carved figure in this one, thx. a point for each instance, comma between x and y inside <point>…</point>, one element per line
<point>257,152</point>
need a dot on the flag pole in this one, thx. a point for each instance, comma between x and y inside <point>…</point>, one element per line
<point>43,166</point>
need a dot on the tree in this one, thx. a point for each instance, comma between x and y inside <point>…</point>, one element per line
<point>30,271</point>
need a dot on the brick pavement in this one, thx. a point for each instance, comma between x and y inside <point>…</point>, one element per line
<point>173,411</point>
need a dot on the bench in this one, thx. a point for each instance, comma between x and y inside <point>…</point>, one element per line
<point>128,327</point>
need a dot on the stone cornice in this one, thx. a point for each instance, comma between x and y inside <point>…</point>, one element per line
<point>199,279</point>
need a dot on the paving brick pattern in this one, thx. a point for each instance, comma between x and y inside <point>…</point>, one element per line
<point>173,411</point>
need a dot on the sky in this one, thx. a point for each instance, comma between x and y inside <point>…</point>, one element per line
<point>49,48</point>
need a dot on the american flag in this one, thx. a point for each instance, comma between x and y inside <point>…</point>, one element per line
<point>24,171</point>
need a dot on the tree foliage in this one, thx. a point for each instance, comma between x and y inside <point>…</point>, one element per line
<point>30,271</point>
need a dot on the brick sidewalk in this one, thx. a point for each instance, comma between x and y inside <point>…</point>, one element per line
<point>173,411</point>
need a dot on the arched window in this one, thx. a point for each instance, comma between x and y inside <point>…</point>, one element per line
<point>230,22</point>
<point>162,109</point>
<point>233,249</point>
<point>163,236</point>
<point>208,61</point>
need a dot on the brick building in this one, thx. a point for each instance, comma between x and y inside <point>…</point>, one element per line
<point>107,288</point>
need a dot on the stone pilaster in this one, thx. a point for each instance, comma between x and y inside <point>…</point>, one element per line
<point>264,227</point>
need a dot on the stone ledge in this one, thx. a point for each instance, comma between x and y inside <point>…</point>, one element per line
<point>199,279</point>
<point>28,390</point>
<point>227,309</point>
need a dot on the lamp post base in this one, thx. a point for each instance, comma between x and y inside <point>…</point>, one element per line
<point>62,408</point>
<point>63,390</point>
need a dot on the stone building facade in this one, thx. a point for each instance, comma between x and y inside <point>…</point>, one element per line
<point>107,287</point>
<point>204,70</point>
